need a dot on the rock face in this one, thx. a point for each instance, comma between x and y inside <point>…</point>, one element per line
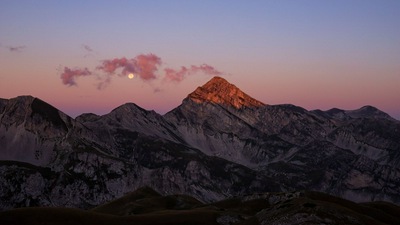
<point>218,143</point>
<point>219,91</point>
<point>31,129</point>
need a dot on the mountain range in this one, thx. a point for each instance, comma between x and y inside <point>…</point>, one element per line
<point>218,144</point>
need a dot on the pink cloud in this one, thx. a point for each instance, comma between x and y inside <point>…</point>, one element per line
<point>175,75</point>
<point>147,65</point>
<point>179,75</point>
<point>144,66</point>
<point>110,66</point>
<point>68,76</point>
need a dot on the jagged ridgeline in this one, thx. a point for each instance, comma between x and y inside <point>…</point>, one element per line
<point>218,143</point>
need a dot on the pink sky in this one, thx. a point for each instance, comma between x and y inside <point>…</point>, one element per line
<point>308,53</point>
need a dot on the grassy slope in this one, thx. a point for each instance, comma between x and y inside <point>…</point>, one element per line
<point>146,200</point>
<point>146,206</point>
<point>67,216</point>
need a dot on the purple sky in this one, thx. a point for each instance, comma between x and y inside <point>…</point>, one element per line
<point>314,54</point>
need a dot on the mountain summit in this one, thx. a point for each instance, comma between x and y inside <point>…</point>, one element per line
<point>220,91</point>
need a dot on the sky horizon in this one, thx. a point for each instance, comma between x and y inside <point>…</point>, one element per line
<point>94,56</point>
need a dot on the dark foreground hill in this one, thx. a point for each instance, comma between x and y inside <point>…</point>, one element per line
<point>145,206</point>
<point>218,143</point>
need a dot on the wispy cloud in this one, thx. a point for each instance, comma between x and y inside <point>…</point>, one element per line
<point>16,48</point>
<point>87,48</point>
<point>181,74</point>
<point>89,52</point>
<point>68,75</point>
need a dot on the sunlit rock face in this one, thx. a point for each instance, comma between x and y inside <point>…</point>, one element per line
<point>218,143</point>
<point>221,92</point>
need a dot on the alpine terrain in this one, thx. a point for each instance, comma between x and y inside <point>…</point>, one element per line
<point>218,144</point>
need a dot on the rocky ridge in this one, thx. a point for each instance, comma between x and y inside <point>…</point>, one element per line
<point>218,143</point>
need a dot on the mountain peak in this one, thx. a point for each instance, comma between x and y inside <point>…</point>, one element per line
<point>368,112</point>
<point>220,91</point>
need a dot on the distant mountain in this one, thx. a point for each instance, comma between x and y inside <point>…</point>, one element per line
<point>218,143</point>
<point>146,206</point>
<point>363,112</point>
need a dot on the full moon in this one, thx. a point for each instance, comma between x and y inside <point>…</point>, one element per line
<point>131,75</point>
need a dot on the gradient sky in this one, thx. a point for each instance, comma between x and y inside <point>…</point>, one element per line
<point>314,54</point>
